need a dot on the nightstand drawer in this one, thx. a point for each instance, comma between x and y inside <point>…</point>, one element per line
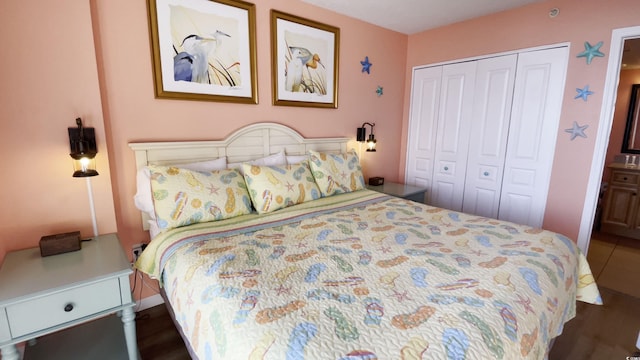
<point>58,308</point>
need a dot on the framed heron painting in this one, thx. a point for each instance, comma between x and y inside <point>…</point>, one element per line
<point>304,61</point>
<point>204,50</point>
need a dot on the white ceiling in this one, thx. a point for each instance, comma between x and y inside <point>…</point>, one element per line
<point>413,16</point>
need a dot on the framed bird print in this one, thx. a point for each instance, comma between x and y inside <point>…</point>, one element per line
<point>304,61</point>
<point>204,50</point>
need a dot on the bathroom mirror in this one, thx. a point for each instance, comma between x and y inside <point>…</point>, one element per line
<point>631,140</point>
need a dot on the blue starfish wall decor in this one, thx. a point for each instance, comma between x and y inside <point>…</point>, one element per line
<point>379,91</point>
<point>366,65</point>
<point>583,93</point>
<point>577,130</point>
<point>591,51</point>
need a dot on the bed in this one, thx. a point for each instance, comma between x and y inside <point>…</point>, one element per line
<point>300,261</point>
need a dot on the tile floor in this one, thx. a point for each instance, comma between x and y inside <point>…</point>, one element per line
<point>615,262</point>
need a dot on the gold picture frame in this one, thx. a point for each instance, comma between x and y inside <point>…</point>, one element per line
<point>204,50</point>
<point>304,61</point>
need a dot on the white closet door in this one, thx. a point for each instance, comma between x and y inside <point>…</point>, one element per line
<point>535,116</point>
<point>452,138</point>
<point>489,130</point>
<point>425,98</point>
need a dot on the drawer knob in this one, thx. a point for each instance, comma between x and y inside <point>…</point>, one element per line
<point>486,173</point>
<point>446,168</point>
<point>68,307</point>
<point>624,178</point>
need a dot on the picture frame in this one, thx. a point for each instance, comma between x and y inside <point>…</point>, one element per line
<point>304,61</point>
<point>631,139</point>
<point>204,50</point>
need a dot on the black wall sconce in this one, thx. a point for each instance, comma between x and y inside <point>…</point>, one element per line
<point>362,134</point>
<point>82,142</point>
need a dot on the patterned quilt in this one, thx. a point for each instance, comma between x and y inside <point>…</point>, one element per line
<point>366,276</point>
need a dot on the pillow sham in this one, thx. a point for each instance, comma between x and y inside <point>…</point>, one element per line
<point>336,173</point>
<point>143,198</point>
<point>182,197</point>
<point>276,187</point>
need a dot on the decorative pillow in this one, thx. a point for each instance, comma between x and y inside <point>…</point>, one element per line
<point>183,197</point>
<point>336,173</point>
<point>143,199</point>
<point>276,187</point>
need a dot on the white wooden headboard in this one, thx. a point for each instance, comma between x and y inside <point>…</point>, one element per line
<point>248,143</point>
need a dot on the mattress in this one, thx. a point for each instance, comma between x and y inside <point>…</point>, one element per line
<point>367,276</point>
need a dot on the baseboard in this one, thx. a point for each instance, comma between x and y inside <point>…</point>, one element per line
<point>150,302</point>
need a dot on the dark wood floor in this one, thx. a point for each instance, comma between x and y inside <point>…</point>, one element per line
<point>158,338</point>
<point>597,332</point>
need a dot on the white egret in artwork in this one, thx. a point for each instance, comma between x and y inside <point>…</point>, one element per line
<point>192,64</point>
<point>301,58</point>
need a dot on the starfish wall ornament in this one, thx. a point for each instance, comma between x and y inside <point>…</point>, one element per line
<point>366,65</point>
<point>591,51</point>
<point>577,130</point>
<point>379,91</point>
<point>583,93</point>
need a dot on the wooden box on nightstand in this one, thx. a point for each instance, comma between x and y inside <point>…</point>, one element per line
<point>43,295</point>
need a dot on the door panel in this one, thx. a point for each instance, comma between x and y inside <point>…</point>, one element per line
<point>489,129</point>
<point>619,208</point>
<point>535,117</point>
<point>452,139</point>
<point>425,99</point>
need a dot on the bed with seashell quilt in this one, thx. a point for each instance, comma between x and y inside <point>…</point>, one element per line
<point>296,259</point>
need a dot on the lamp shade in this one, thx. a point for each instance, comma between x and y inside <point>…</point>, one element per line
<point>84,167</point>
<point>371,143</point>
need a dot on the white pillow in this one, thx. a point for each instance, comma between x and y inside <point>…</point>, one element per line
<point>296,159</point>
<point>271,160</point>
<point>275,159</point>
<point>154,230</point>
<point>143,198</point>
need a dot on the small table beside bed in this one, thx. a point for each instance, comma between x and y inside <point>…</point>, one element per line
<point>265,258</point>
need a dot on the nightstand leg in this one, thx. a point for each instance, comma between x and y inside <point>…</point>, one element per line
<point>9,352</point>
<point>128,320</point>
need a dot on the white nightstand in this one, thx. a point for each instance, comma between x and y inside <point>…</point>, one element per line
<point>42,295</point>
<point>409,192</point>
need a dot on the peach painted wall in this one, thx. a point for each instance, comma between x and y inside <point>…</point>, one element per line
<point>92,59</point>
<point>133,114</point>
<point>627,79</point>
<point>530,26</point>
<point>49,77</point>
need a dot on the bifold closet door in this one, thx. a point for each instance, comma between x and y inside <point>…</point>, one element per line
<point>452,135</point>
<point>535,117</point>
<point>489,129</point>
<point>421,140</point>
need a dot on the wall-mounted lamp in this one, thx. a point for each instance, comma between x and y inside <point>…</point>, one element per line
<point>83,150</point>
<point>82,142</point>
<point>362,134</point>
